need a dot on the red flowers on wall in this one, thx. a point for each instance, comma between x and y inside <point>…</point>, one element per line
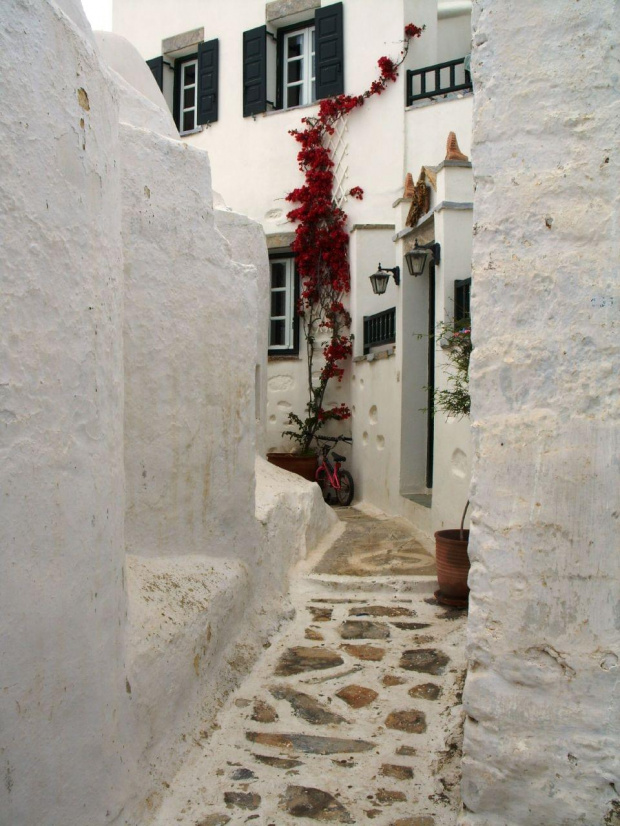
<point>322,245</point>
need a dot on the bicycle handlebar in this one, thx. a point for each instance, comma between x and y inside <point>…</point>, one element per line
<point>335,439</point>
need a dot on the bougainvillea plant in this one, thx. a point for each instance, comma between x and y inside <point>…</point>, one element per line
<point>321,247</point>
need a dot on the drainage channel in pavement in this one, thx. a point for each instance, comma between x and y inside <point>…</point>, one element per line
<point>353,714</point>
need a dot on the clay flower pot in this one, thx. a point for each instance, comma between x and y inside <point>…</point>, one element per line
<point>452,567</point>
<point>302,465</point>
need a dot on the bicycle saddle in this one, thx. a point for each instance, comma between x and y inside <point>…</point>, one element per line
<point>338,457</point>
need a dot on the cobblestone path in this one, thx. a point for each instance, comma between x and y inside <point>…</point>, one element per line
<point>353,713</point>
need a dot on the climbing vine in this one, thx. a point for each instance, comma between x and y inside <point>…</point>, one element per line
<point>321,247</point>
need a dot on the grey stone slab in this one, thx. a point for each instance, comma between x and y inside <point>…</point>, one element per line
<point>309,743</point>
<point>307,707</point>
<point>426,691</point>
<point>242,800</point>
<point>303,658</point>
<point>425,660</point>
<point>277,762</point>
<point>182,41</point>
<point>411,721</point>
<point>315,804</point>
<point>364,630</point>
<point>278,9</point>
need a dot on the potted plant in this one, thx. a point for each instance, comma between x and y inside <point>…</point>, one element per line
<point>451,555</point>
<point>321,248</point>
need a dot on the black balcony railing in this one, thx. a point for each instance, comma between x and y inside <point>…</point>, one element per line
<point>379,329</point>
<point>441,79</point>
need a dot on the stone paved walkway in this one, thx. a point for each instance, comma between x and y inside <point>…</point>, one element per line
<point>353,713</point>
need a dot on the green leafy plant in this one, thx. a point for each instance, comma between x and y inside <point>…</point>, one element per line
<point>456,341</point>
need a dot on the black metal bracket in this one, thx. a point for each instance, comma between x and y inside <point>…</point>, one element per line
<point>434,247</point>
<point>395,273</point>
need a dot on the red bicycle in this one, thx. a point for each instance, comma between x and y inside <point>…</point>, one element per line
<point>333,477</point>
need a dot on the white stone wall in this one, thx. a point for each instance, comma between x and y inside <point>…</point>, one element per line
<point>63,699</point>
<point>542,742</point>
<point>190,343</point>
<point>143,381</point>
<point>246,241</point>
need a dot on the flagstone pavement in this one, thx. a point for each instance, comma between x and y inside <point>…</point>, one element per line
<point>353,713</point>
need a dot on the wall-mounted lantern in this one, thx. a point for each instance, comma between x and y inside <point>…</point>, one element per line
<point>421,253</point>
<point>380,279</point>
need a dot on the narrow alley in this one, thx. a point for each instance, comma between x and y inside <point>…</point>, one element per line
<point>353,713</point>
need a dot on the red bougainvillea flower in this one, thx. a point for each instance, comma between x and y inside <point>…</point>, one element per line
<point>321,245</point>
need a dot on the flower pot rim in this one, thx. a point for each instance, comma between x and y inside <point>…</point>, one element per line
<point>452,534</point>
<point>294,453</point>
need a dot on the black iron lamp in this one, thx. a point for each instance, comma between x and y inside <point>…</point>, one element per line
<point>380,279</point>
<point>421,253</point>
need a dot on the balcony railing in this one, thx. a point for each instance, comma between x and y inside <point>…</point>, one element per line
<point>441,79</point>
<point>379,329</point>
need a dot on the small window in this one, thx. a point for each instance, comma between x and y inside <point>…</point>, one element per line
<point>194,94</point>
<point>188,96</point>
<point>379,329</point>
<point>462,290</point>
<point>298,64</point>
<point>283,321</point>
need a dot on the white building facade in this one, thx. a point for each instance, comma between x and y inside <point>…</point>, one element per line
<point>237,77</point>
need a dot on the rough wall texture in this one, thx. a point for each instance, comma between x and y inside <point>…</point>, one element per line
<point>246,240</point>
<point>62,679</point>
<point>542,741</point>
<point>190,343</point>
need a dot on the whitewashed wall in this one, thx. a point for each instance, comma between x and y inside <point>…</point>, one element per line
<point>190,347</point>
<point>109,662</point>
<point>542,742</point>
<point>63,700</point>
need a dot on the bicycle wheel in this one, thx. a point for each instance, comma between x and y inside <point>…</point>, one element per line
<point>345,493</point>
<point>321,480</point>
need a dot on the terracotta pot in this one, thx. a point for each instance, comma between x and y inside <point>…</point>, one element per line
<point>452,566</point>
<point>295,463</point>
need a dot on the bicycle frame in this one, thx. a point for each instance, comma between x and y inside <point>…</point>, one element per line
<point>331,471</point>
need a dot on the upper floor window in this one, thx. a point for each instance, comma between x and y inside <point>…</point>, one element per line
<point>188,94</point>
<point>304,63</point>
<point>188,78</point>
<point>298,63</point>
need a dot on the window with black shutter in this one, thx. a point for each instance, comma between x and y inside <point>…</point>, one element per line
<point>329,51</point>
<point>156,65</point>
<point>194,98</point>
<point>208,78</point>
<point>309,64</point>
<point>255,71</point>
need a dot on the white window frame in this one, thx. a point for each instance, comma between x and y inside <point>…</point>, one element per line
<point>289,304</point>
<point>182,87</point>
<point>308,74</point>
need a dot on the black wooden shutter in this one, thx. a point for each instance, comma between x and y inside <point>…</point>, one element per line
<point>208,71</point>
<point>255,71</point>
<point>176,102</point>
<point>156,65</point>
<point>329,51</point>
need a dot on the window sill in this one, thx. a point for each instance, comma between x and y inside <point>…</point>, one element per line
<point>283,357</point>
<point>421,104</point>
<point>191,132</point>
<point>379,356</point>
<point>423,499</point>
<point>290,109</point>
